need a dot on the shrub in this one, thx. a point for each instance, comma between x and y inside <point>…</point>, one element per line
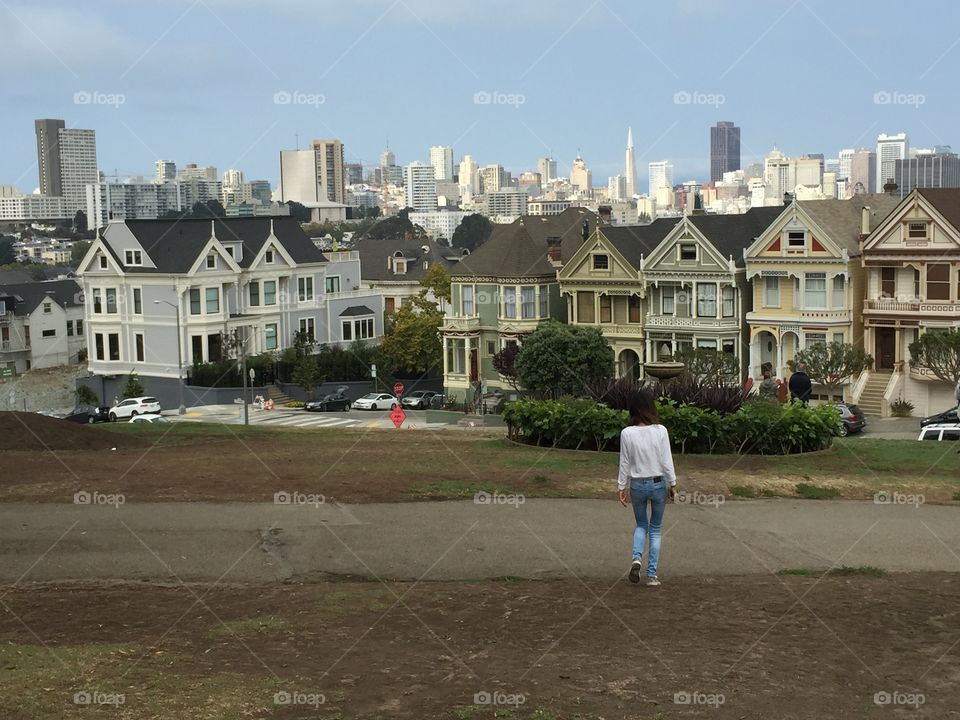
<point>133,387</point>
<point>86,396</point>
<point>706,393</point>
<point>901,408</point>
<point>816,492</point>
<point>294,404</point>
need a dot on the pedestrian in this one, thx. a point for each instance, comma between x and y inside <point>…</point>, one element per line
<point>769,388</point>
<point>646,479</point>
<point>116,400</point>
<point>800,385</point>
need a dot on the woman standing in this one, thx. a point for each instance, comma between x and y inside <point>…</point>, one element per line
<point>646,466</point>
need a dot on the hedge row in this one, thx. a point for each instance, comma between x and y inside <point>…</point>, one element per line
<point>758,427</point>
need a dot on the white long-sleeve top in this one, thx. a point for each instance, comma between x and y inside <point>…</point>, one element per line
<point>645,452</point>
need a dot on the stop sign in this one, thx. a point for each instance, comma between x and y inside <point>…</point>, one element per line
<point>398,389</point>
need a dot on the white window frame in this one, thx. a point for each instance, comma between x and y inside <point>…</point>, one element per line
<point>543,301</point>
<point>707,300</point>
<point>327,282</point>
<point>510,305</point>
<point>725,291</point>
<point>666,298</point>
<point>133,305</point>
<point>838,295</point>
<point>596,257</point>
<point>309,326</point>
<point>103,262</point>
<point>688,243</point>
<point>211,261</point>
<point>810,339</point>
<point>206,300</point>
<point>533,302</point>
<point>771,285</point>
<point>140,356</point>
<point>815,277</point>
<point>266,337</point>
<point>470,301</point>
<point>268,257</point>
<point>789,241</point>
<point>305,288</point>
<point>263,290</point>
<point>133,258</point>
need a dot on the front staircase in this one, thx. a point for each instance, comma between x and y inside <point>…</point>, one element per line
<point>871,399</point>
<point>277,395</point>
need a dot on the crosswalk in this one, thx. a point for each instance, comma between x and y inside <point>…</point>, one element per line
<point>303,420</point>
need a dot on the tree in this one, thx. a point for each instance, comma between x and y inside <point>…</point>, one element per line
<point>299,212</point>
<point>35,271</point>
<point>206,210</point>
<point>307,374</point>
<point>435,281</point>
<point>831,364</point>
<point>940,353</point>
<point>86,396</point>
<point>709,364</point>
<point>77,251</point>
<point>473,231</point>
<point>505,363</point>
<point>133,387</point>
<point>558,359</point>
<point>412,341</point>
<point>7,255</point>
<point>80,222</point>
<point>303,343</point>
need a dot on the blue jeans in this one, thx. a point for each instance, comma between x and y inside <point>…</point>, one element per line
<point>642,492</point>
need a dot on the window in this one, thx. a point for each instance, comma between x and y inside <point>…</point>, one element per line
<point>97,301</point>
<point>771,292</point>
<point>510,302</point>
<point>916,283</point>
<point>254,290</point>
<point>606,309</point>
<point>332,284</point>
<point>194,301</point>
<point>585,303</point>
<point>138,342</point>
<point>270,336</point>
<point>79,327</point>
<point>601,262</point>
<point>466,294</point>
<point>69,328</point>
<point>229,250</point>
<point>918,231</point>
<point>811,339</point>
<point>888,282</point>
<point>838,338</point>
<point>307,327</point>
<point>707,344</point>
<point>112,300</point>
<point>668,296</point>
<point>137,301</point>
<point>491,347</point>
<point>47,308</point>
<point>796,239</point>
<point>213,300</point>
<point>268,257</point>
<point>305,288</point>
<point>270,292</point>
<point>544,301</point>
<point>389,305</point>
<point>196,342</point>
<point>706,300</point>
<point>727,295</point>
<point>633,309</point>
<point>103,262</point>
<point>938,282</point>
<point>528,305</point>
<point>113,343</point>
<point>730,347</point>
<point>133,257</point>
<point>347,328</point>
<point>48,333</point>
<point>688,251</point>
<point>98,346</point>
<point>839,296</point>
<point>211,262</point>
<point>815,291</point>
<point>363,329</point>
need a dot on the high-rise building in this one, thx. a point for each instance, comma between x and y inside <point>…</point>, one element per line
<point>441,158</point>
<point>581,178</point>
<point>353,173</point>
<point>390,172</point>
<point>314,175</point>
<point>547,167</point>
<point>506,204</point>
<point>132,201</point>
<point>78,166</point>
<point>616,187</point>
<point>192,171</point>
<point>890,148</point>
<point>330,169</point>
<point>468,176</point>
<point>493,178</point>
<point>844,162</point>
<point>233,178</point>
<point>48,155</point>
<point>863,172</point>
<point>660,174</point>
<point>421,187</point>
<point>166,171</point>
<point>630,168</point>
<point>927,170</point>
<point>724,149</point>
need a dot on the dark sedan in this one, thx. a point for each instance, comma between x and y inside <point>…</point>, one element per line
<point>88,414</point>
<point>947,416</point>
<point>329,403</point>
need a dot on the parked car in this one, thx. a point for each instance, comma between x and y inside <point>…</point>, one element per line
<point>852,419</point>
<point>947,416</point>
<point>88,414</point>
<point>330,402</point>
<point>375,401</point>
<point>149,419</point>
<point>132,407</point>
<point>418,399</point>
<point>940,431</point>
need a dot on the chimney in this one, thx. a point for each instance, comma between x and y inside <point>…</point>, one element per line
<point>787,198</point>
<point>585,229</point>
<point>553,250</point>
<point>890,187</point>
<point>865,220</point>
<point>606,213</point>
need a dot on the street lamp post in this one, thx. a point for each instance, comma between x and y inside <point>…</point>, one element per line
<point>183,408</point>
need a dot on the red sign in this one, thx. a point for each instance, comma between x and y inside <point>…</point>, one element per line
<point>398,389</point>
<point>398,416</point>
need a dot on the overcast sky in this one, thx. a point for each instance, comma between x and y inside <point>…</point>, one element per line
<point>232,82</point>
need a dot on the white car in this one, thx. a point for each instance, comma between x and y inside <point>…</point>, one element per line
<point>132,407</point>
<point>940,431</point>
<point>375,401</point>
<point>148,419</point>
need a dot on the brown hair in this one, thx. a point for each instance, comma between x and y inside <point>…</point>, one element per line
<point>643,409</point>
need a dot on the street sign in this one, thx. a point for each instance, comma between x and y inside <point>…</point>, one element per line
<point>7,372</point>
<point>398,416</point>
<point>398,389</point>
<point>373,370</point>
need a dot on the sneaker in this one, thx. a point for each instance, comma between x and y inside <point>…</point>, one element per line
<point>652,581</point>
<point>635,571</point>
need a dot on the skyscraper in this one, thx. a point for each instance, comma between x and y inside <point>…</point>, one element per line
<point>66,162</point>
<point>937,169</point>
<point>330,168</point>
<point>233,178</point>
<point>48,155</point>
<point>390,172</point>
<point>493,178</point>
<point>845,158</point>
<point>581,178</point>
<point>630,168</point>
<point>724,149</point>
<point>547,167</point>
<point>421,187</point>
<point>660,175</point>
<point>166,171</point>
<point>468,177</point>
<point>890,148</point>
<point>863,172</point>
<point>441,157</point>
<point>314,175</point>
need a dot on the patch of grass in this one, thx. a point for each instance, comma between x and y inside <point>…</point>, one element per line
<point>956,496</point>
<point>248,627</point>
<point>456,489</point>
<point>816,492</point>
<point>803,572</point>
<point>743,491</point>
<point>541,479</point>
<point>842,571</point>
<point>509,578</point>
<point>768,492</point>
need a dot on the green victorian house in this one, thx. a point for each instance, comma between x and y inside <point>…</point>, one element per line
<point>503,291</point>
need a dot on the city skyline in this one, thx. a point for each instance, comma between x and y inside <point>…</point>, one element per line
<point>511,114</point>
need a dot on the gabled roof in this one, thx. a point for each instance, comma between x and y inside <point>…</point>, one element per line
<point>520,248</point>
<point>842,219</point>
<point>374,254</point>
<point>14,277</point>
<point>946,201</point>
<point>28,296</point>
<point>732,234</point>
<point>636,241</point>
<point>175,245</point>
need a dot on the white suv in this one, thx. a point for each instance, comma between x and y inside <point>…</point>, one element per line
<point>940,431</point>
<point>132,407</point>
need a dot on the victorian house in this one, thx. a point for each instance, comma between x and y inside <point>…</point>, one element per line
<point>912,265</point>
<point>807,282</point>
